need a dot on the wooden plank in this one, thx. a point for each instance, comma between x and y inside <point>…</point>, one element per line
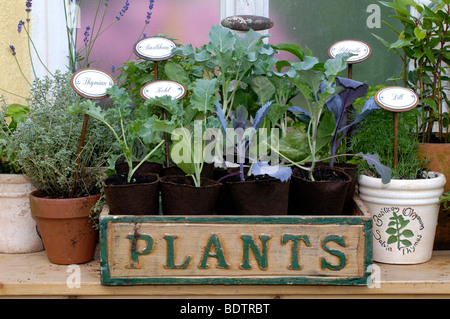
<point>32,275</point>
<point>235,250</point>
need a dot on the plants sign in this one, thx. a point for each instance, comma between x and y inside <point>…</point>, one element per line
<point>396,99</point>
<point>154,49</point>
<point>235,250</point>
<point>361,51</point>
<point>92,83</point>
<point>160,88</point>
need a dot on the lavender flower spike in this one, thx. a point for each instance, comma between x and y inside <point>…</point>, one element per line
<point>13,49</point>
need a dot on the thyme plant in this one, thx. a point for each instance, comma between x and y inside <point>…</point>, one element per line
<point>45,145</point>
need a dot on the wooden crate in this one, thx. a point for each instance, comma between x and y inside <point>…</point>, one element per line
<point>235,250</point>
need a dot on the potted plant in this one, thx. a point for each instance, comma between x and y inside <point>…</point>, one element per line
<point>405,210</point>
<point>20,235</point>
<point>188,125</point>
<point>45,147</point>
<point>130,193</point>
<point>304,148</point>
<point>263,189</point>
<point>423,48</point>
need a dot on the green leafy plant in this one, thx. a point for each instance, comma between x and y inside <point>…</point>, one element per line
<point>374,135</point>
<point>423,43</point>
<point>445,200</point>
<point>233,60</point>
<point>45,145</point>
<point>10,116</point>
<point>187,121</point>
<point>127,127</point>
<point>317,83</point>
<point>396,230</point>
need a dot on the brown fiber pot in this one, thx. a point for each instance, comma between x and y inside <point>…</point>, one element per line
<point>179,196</point>
<point>134,199</point>
<point>65,228</point>
<point>320,197</point>
<point>145,168</point>
<point>260,197</point>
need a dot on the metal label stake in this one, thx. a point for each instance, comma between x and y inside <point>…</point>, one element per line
<point>157,49</point>
<point>92,84</point>
<point>396,99</point>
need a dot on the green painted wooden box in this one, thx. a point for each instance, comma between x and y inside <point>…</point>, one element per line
<point>236,250</point>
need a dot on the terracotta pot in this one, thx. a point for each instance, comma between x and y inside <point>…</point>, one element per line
<point>260,197</point>
<point>319,197</point>
<point>439,156</point>
<point>179,196</point>
<point>146,167</point>
<point>17,226</point>
<point>65,227</point>
<point>133,199</point>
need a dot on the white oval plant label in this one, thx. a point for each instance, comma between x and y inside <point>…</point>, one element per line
<point>396,99</point>
<point>92,83</point>
<point>161,88</point>
<point>154,48</point>
<point>361,50</point>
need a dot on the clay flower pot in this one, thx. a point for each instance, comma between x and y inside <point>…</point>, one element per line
<point>404,214</point>
<point>179,196</point>
<point>319,197</point>
<point>65,227</point>
<point>17,226</point>
<point>139,198</point>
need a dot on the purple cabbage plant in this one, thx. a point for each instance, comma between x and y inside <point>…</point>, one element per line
<point>244,130</point>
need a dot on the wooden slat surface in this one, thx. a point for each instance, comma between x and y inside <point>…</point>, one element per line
<point>32,275</point>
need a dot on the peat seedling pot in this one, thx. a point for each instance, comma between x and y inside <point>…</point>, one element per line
<point>145,168</point>
<point>65,227</point>
<point>141,197</point>
<point>260,196</point>
<point>180,196</point>
<point>324,196</point>
<point>404,215</point>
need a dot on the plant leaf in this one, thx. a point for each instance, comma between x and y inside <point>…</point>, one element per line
<point>280,172</point>
<point>373,160</point>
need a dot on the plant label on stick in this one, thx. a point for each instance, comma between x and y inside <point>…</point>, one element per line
<point>160,88</point>
<point>361,51</point>
<point>154,49</point>
<point>396,99</point>
<point>92,83</point>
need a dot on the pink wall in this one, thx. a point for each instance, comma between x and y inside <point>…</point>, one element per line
<point>187,21</point>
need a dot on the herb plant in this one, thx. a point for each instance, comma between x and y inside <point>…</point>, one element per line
<point>126,128</point>
<point>10,116</point>
<point>423,46</point>
<point>45,145</point>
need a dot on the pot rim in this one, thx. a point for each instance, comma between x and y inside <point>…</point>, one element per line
<point>435,181</point>
<point>167,180</point>
<point>135,184</point>
<point>340,171</point>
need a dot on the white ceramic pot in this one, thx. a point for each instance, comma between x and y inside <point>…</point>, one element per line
<point>404,217</point>
<point>17,226</point>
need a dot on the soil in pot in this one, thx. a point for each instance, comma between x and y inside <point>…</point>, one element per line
<point>259,195</point>
<point>179,196</point>
<point>140,197</point>
<point>145,168</point>
<point>324,196</point>
<point>65,227</point>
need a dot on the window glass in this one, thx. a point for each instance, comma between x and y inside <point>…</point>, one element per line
<point>319,24</point>
<point>187,21</point>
